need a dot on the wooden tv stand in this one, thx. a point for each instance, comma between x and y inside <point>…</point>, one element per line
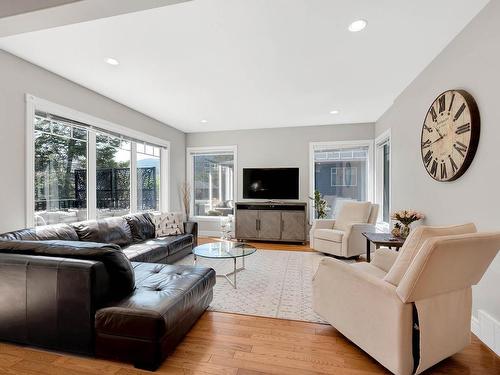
<point>271,221</point>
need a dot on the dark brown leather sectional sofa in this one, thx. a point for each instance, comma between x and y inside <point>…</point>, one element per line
<point>101,288</point>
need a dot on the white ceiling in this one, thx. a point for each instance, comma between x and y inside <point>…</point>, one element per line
<point>13,7</point>
<point>244,64</point>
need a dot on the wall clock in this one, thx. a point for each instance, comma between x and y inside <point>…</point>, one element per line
<point>450,135</point>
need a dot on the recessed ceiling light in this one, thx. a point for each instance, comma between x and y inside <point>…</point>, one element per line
<point>112,61</point>
<point>357,26</point>
<point>334,112</point>
<point>203,121</point>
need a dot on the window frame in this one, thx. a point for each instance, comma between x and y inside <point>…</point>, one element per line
<point>318,146</point>
<point>95,124</point>
<point>381,140</point>
<point>190,153</point>
<point>343,176</point>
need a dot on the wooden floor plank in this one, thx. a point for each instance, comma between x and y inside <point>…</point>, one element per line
<point>220,343</point>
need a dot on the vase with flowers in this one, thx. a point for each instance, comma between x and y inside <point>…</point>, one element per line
<point>404,218</point>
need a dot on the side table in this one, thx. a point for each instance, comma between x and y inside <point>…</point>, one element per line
<point>381,239</point>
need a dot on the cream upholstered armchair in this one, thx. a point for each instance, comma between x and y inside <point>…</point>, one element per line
<point>342,237</point>
<point>412,309</point>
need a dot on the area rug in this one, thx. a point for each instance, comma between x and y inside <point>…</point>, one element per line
<point>275,284</point>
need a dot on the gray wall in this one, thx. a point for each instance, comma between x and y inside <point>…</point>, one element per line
<point>282,147</point>
<point>19,77</point>
<point>470,62</point>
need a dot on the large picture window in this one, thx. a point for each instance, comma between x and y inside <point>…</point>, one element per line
<point>112,175</point>
<point>82,171</point>
<point>341,171</point>
<point>60,151</point>
<point>212,178</point>
<point>148,177</point>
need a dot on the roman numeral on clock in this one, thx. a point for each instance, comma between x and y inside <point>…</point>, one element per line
<point>444,173</point>
<point>463,129</point>
<point>454,166</point>
<point>451,103</point>
<point>426,144</point>
<point>428,158</point>
<point>461,148</point>
<point>433,114</point>
<point>442,103</point>
<point>434,168</point>
<point>459,112</point>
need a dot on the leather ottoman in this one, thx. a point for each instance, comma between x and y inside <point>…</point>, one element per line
<point>147,325</point>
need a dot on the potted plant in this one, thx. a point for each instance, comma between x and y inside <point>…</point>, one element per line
<point>320,205</point>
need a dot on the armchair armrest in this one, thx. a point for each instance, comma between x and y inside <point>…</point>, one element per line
<point>319,224</point>
<point>323,224</point>
<point>355,242</point>
<point>384,258</point>
<point>340,273</point>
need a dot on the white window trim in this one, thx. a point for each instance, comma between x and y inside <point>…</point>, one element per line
<point>378,191</point>
<point>314,146</point>
<point>34,103</point>
<point>190,153</point>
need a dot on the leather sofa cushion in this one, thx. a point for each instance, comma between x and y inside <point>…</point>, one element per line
<point>119,268</point>
<point>43,233</point>
<point>110,230</point>
<point>329,234</point>
<point>156,249</point>
<point>141,225</point>
<point>163,295</point>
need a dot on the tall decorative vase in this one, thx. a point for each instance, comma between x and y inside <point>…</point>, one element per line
<point>405,230</point>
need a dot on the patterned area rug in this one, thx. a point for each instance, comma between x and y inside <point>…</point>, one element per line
<point>274,284</point>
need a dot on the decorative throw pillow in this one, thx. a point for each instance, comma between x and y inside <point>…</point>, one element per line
<point>413,244</point>
<point>167,223</point>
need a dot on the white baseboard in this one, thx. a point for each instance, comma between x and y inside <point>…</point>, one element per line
<point>487,329</point>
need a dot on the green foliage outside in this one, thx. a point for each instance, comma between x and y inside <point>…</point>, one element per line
<point>59,154</point>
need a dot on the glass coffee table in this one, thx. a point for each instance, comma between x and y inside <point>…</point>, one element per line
<point>225,250</point>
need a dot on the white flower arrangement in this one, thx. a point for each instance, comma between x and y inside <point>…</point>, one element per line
<point>406,217</point>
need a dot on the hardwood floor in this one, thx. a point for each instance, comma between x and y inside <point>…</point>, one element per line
<point>264,245</point>
<point>231,344</point>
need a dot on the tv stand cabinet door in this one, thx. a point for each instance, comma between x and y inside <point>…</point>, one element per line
<point>247,224</point>
<point>269,225</point>
<point>293,226</point>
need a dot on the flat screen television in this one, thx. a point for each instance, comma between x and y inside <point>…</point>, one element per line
<point>271,183</point>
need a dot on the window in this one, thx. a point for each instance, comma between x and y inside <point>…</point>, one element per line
<point>212,178</point>
<point>60,158</point>
<point>80,167</point>
<point>112,175</point>
<point>148,177</point>
<point>344,176</point>
<point>383,175</point>
<point>340,171</point>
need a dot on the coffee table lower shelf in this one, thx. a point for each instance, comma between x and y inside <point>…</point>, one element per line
<point>232,273</point>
